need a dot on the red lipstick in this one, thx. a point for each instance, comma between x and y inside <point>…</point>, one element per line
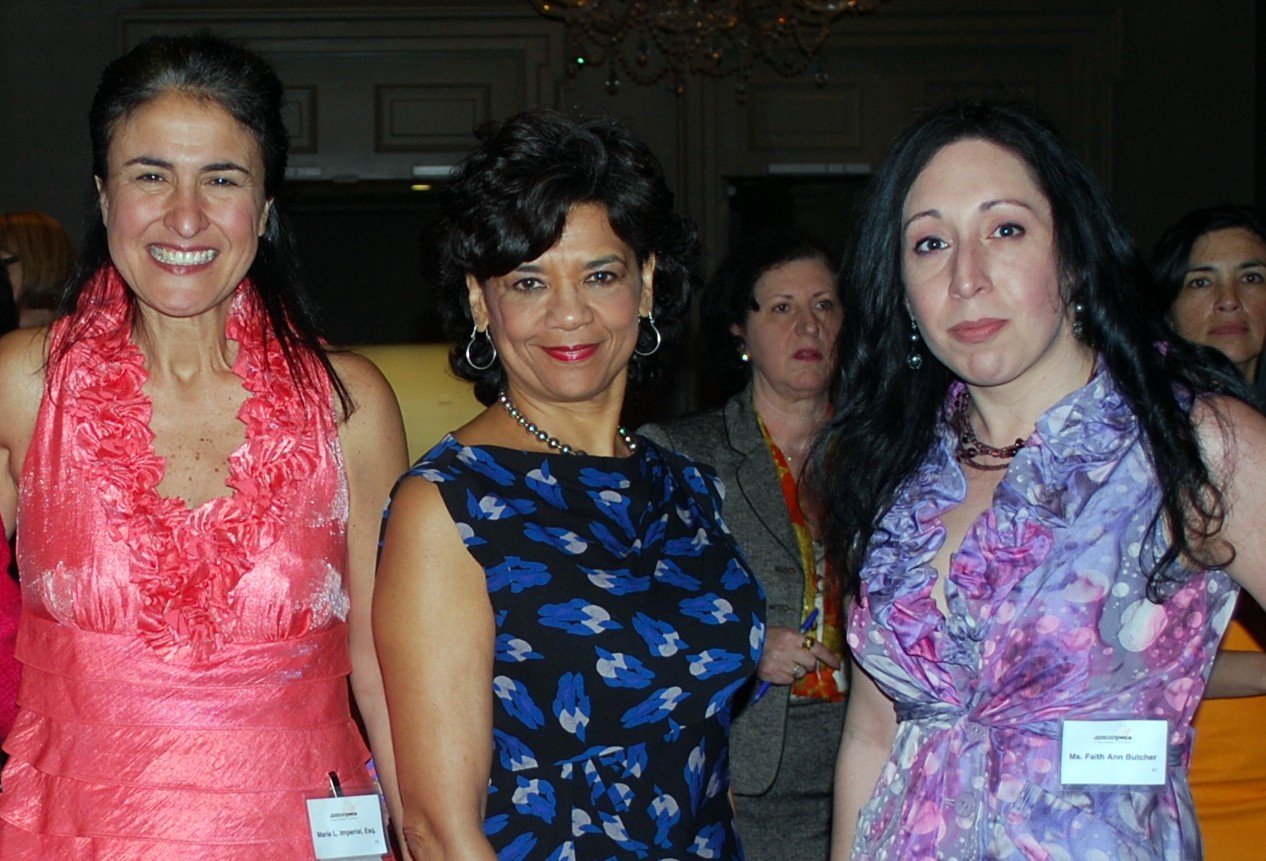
<point>577,353</point>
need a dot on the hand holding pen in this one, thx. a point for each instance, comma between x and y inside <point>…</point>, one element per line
<point>807,645</point>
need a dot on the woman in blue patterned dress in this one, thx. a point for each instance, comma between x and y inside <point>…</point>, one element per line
<point>563,617</point>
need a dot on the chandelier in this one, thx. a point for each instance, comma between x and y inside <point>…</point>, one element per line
<point>647,41</point>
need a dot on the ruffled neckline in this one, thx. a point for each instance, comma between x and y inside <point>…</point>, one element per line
<point>185,561</point>
<point>1074,448</point>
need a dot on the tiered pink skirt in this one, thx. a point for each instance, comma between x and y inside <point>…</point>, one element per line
<point>118,754</point>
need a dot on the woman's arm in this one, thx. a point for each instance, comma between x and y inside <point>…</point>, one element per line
<point>869,729</point>
<point>21,387</point>
<point>1237,674</point>
<point>1233,438</point>
<point>433,623</point>
<point>375,455</point>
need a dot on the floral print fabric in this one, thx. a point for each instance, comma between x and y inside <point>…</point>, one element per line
<point>626,620</point>
<point>1048,620</point>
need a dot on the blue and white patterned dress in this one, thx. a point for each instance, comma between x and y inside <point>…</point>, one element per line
<point>626,619</point>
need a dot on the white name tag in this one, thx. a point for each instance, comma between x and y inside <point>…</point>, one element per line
<point>348,827</point>
<point>1114,753</point>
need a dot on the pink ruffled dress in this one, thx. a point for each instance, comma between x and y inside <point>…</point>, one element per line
<point>185,670</point>
<point>10,669</point>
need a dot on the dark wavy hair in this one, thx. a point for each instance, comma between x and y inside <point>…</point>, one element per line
<point>508,203</point>
<point>729,297</point>
<point>1173,249</point>
<point>241,83</point>
<point>886,415</point>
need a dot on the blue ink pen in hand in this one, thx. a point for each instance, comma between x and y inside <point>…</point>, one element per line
<point>805,627</point>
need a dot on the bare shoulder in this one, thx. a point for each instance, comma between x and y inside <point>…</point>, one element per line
<point>1233,437</point>
<point>365,383</point>
<point>1232,434</point>
<point>421,535</point>
<point>23,355</point>
<point>417,502</point>
<point>375,417</point>
<point>372,437</point>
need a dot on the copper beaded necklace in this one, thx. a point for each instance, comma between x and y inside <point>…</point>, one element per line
<point>969,445</point>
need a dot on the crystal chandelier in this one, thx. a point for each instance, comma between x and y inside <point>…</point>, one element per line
<point>647,41</point>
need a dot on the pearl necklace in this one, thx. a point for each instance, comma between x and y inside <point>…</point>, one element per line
<point>969,446</point>
<point>552,441</point>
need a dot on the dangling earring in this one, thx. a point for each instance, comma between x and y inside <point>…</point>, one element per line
<point>650,319</point>
<point>1078,327</point>
<point>914,361</point>
<point>475,333</point>
<point>742,351</point>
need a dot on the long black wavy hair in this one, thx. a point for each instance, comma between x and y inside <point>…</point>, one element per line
<point>508,203</point>
<point>242,83</point>
<point>885,414</point>
<point>730,296</point>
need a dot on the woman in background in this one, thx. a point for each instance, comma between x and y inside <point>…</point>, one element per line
<point>1042,512</point>
<point>199,487</point>
<point>40,259</point>
<point>561,615</point>
<point>1211,273</point>
<point>770,316</point>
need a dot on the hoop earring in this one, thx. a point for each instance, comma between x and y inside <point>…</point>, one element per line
<point>649,318</point>
<point>914,360</point>
<point>474,333</point>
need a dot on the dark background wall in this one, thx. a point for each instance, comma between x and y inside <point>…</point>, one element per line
<point>1186,109</point>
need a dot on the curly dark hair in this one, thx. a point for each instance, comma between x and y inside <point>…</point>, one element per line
<point>241,83</point>
<point>508,203</point>
<point>728,297</point>
<point>886,415</point>
<point>1173,249</point>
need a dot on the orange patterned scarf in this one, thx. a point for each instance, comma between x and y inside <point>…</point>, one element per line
<point>824,683</point>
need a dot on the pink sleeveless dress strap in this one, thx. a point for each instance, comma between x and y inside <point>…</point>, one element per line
<point>185,670</point>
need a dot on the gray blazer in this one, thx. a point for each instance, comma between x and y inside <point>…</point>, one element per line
<point>729,440</point>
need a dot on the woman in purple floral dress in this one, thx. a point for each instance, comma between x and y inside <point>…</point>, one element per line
<point>1044,504</point>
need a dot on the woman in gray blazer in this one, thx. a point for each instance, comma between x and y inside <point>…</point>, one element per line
<point>770,318</point>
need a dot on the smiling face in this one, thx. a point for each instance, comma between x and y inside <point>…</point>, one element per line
<point>790,335</point>
<point>183,204</point>
<point>980,267</point>
<point>1222,303</point>
<point>565,324</point>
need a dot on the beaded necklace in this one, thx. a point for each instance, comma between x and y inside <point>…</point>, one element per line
<point>552,441</point>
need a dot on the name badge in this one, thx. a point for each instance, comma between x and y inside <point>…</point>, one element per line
<point>348,828</point>
<point>1114,753</point>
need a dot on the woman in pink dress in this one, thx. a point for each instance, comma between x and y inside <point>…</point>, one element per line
<point>198,489</point>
